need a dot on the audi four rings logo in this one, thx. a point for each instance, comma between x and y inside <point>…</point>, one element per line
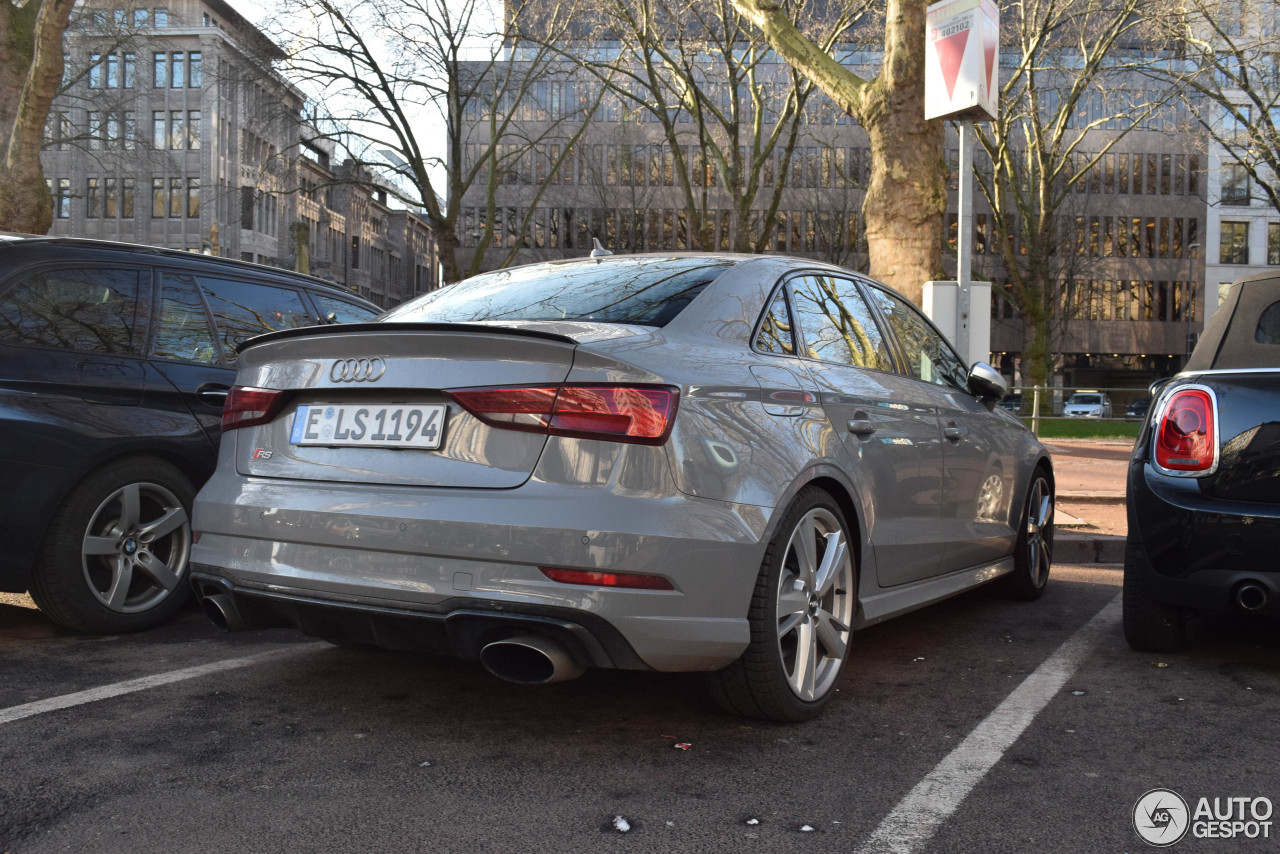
<point>357,370</point>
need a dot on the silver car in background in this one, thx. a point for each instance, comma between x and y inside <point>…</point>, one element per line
<point>694,462</point>
<point>1088,404</point>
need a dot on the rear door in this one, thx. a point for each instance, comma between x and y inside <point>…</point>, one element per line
<point>978,444</point>
<point>888,426</point>
<point>196,353</point>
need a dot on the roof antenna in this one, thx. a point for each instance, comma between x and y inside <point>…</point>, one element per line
<point>599,251</point>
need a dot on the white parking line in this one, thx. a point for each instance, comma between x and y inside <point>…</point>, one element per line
<point>92,695</point>
<point>918,816</point>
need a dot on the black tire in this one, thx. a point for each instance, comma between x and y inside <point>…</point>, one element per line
<point>799,613</point>
<point>1149,626</point>
<point>114,558</point>
<point>1033,549</point>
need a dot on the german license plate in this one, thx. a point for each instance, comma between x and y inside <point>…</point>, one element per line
<point>365,425</point>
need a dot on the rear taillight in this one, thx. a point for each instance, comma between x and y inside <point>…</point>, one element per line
<point>248,406</point>
<point>619,413</point>
<point>1187,437</point>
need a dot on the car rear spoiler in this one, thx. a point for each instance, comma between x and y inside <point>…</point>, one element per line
<point>343,328</point>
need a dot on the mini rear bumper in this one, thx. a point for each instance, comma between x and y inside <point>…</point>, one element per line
<point>1200,553</point>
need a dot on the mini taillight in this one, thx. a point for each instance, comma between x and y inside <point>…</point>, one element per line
<point>626,580</point>
<point>1186,438</point>
<point>247,406</point>
<point>620,413</point>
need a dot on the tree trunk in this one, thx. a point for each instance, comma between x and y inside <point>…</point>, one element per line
<point>907,196</point>
<point>30,71</point>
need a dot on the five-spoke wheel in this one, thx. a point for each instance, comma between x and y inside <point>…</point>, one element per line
<point>115,557</point>
<point>801,617</point>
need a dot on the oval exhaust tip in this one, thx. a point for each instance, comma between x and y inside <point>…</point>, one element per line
<point>529,660</point>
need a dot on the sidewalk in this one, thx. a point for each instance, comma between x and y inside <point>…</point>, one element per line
<point>1090,514</point>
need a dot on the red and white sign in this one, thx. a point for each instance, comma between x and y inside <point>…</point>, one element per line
<point>962,62</point>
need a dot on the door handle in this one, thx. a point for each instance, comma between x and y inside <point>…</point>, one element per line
<point>952,432</point>
<point>861,427</point>
<point>212,394</point>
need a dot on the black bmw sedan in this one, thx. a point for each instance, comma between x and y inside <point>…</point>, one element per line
<point>1204,479</point>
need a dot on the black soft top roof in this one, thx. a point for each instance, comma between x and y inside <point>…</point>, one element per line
<point>1233,338</point>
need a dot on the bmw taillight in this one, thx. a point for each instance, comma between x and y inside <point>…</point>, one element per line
<point>246,406</point>
<point>641,414</point>
<point>1186,439</point>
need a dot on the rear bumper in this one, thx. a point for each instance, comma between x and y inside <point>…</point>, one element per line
<point>1197,552</point>
<point>377,564</point>
<point>455,627</point>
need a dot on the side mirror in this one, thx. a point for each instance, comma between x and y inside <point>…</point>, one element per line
<point>986,383</point>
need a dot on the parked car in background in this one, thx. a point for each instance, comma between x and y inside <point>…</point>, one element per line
<point>1088,404</point>
<point>115,361</point>
<point>1012,402</point>
<point>1137,409</point>
<point>687,462</point>
<point>1204,479</point>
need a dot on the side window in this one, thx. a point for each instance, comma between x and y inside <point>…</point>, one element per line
<point>242,310</point>
<point>1268,331</point>
<point>90,311</point>
<point>333,310</point>
<point>836,324</point>
<point>183,332</point>
<point>929,356</point>
<point>775,332</point>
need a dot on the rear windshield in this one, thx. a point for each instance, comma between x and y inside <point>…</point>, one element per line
<point>641,291</point>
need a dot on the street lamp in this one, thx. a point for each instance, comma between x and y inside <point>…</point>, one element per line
<point>1191,293</point>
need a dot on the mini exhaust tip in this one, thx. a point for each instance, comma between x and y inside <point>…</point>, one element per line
<point>1252,596</point>
<point>223,613</point>
<point>529,660</point>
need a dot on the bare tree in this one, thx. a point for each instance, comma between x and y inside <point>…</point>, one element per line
<point>1234,47</point>
<point>724,109</point>
<point>31,65</point>
<point>906,197</point>
<point>1066,100</point>
<point>405,77</point>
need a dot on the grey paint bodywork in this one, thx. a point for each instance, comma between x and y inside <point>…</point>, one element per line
<point>475,520</point>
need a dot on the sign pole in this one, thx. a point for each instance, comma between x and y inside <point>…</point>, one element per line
<point>964,241</point>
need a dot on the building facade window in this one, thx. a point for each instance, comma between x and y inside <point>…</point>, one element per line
<point>1233,245</point>
<point>93,198</point>
<point>160,69</point>
<point>157,198</point>
<point>1235,184</point>
<point>62,199</point>
<point>1273,243</point>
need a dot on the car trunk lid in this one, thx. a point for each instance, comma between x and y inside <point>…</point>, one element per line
<point>370,379</point>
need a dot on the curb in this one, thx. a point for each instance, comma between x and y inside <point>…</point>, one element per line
<point>1068,548</point>
<point>1089,497</point>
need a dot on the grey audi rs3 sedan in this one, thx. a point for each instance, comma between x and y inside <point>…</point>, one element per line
<point>686,462</point>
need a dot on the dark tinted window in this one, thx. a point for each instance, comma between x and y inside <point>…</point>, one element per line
<point>183,332</point>
<point>775,332</point>
<point>929,356</point>
<point>93,311</point>
<point>1268,331</point>
<point>836,324</point>
<point>242,310</point>
<point>334,310</point>
<point>647,292</point>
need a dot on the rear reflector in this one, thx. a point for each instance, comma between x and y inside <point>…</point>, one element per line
<point>607,579</point>
<point>1186,439</point>
<point>246,406</point>
<point>619,413</point>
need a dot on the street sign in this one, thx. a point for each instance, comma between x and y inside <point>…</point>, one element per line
<point>962,62</point>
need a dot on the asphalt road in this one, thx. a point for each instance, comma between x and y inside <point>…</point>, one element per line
<point>309,747</point>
